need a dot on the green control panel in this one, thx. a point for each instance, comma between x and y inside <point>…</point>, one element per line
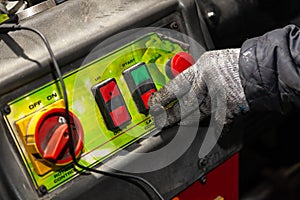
<point>108,100</point>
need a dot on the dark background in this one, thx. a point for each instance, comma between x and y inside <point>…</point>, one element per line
<point>270,157</point>
<point>237,20</point>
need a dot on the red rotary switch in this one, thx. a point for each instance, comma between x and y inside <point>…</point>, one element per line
<point>52,136</point>
<point>178,63</point>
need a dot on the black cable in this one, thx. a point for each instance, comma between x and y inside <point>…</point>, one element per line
<point>6,29</point>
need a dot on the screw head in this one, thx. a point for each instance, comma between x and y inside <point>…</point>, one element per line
<point>203,180</point>
<point>6,110</point>
<point>211,14</point>
<point>42,190</point>
<point>202,162</point>
<point>174,25</point>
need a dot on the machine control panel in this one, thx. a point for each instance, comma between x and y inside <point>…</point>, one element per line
<point>108,101</point>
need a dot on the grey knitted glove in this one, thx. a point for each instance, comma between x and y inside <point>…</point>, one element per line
<point>211,84</point>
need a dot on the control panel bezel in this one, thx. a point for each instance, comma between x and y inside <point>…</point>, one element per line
<point>169,14</point>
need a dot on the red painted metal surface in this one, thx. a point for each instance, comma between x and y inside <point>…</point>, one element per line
<point>221,183</point>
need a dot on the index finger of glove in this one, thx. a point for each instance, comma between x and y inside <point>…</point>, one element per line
<point>173,90</point>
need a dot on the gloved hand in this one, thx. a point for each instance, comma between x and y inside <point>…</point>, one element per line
<point>211,84</point>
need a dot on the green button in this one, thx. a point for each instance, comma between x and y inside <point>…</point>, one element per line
<point>140,75</point>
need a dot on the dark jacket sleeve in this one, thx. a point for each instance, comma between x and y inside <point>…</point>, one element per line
<point>270,70</point>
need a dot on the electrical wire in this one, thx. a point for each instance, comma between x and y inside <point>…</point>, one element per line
<point>6,29</point>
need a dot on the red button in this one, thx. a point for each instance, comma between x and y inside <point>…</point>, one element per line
<point>146,96</point>
<point>109,91</point>
<point>180,62</point>
<point>119,116</point>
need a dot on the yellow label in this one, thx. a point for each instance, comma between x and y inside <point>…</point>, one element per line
<point>3,18</point>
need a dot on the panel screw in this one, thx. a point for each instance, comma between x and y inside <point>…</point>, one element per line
<point>202,162</point>
<point>203,180</point>
<point>42,190</point>
<point>6,110</point>
<point>174,25</point>
<point>211,14</point>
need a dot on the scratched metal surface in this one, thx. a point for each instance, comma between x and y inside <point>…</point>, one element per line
<point>71,28</point>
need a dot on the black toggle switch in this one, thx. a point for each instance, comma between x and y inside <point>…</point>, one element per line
<point>111,104</point>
